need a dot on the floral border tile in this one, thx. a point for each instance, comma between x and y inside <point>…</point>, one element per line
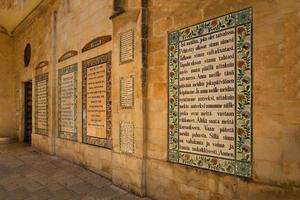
<point>42,77</point>
<point>61,72</point>
<point>103,142</point>
<point>241,165</point>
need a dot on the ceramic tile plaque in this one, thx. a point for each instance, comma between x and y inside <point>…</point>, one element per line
<point>210,94</point>
<point>67,102</point>
<point>67,55</point>
<point>126,46</point>
<point>127,92</point>
<point>41,104</point>
<point>127,137</point>
<point>96,89</point>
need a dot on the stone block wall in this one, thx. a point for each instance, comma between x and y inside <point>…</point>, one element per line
<point>8,123</point>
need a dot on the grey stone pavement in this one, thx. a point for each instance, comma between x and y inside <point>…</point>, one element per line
<point>26,173</point>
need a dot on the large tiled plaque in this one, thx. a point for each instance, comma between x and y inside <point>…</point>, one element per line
<point>96,88</point>
<point>210,94</point>
<point>126,46</point>
<point>41,104</point>
<point>127,92</point>
<point>67,102</point>
<point>127,137</point>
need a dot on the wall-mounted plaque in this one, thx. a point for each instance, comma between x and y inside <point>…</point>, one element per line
<point>210,94</point>
<point>68,55</point>
<point>127,137</point>
<point>41,104</point>
<point>96,42</point>
<point>127,92</point>
<point>126,46</point>
<point>67,102</point>
<point>42,64</point>
<point>96,89</point>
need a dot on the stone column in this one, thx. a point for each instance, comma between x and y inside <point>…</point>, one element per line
<point>128,156</point>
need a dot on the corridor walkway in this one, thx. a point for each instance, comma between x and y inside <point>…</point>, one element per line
<point>26,173</point>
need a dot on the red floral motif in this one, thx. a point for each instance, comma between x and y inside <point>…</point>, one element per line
<point>187,157</point>
<point>241,30</point>
<point>214,161</point>
<point>187,31</point>
<point>171,100</point>
<point>241,97</point>
<point>172,47</point>
<point>171,126</point>
<point>240,131</point>
<point>240,63</point>
<point>214,23</point>
<point>172,74</point>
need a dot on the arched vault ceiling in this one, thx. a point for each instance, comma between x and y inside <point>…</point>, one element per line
<point>12,12</point>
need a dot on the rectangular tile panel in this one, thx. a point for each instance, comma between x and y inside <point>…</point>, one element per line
<point>41,104</point>
<point>67,102</point>
<point>96,100</point>
<point>210,94</point>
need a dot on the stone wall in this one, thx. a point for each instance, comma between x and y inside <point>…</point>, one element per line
<point>276,165</point>
<point>8,88</point>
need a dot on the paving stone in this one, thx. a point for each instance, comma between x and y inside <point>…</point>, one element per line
<point>69,181</point>
<point>53,186</point>
<point>42,194</point>
<point>26,170</point>
<point>47,169</point>
<point>83,188</point>
<point>127,197</point>
<point>86,174</point>
<point>13,182</point>
<point>3,193</point>
<point>12,163</point>
<point>5,172</point>
<point>64,194</point>
<point>32,186</point>
<point>109,192</point>
<point>18,194</point>
<point>98,181</point>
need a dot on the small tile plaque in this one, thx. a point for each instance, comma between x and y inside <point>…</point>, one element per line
<point>68,55</point>
<point>67,102</point>
<point>41,104</point>
<point>96,43</point>
<point>127,92</point>
<point>210,94</point>
<point>127,137</point>
<point>126,46</point>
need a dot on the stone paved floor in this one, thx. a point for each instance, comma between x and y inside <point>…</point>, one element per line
<point>26,173</point>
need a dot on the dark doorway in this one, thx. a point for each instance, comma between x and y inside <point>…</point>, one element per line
<point>28,112</point>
